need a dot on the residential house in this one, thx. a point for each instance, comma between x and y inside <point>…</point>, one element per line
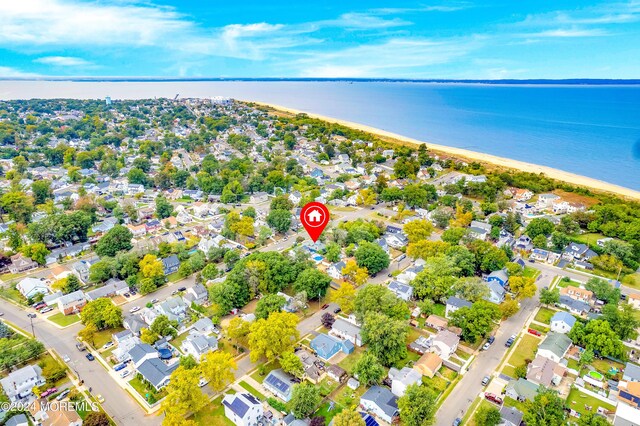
<point>18,420</point>
<point>631,372</point>
<point>510,416</point>
<point>141,353</point>
<point>72,303</point>
<point>454,303</point>
<point>204,326</point>
<point>401,379</point>
<point>156,372</point>
<point>428,364</point>
<point>381,402</point>
<point>519,194</point>
<point>20,263</point>
<point>500,276</point>
<point>554,346</point>
<point>539,254</point>
<point>574,306</point>
<point>170,264</point>
<point>197,345</point>
<point>258,197</point>
<point>545,201</point>
<point>445,344</point>
<point>337,373</point>
<point>197,294</point>
<point>314,370</point>
<point>243,409</point>
<point>434,321</point>
<point>173,308</point>
<point>111,288</point>
<point>29,287</point>
<point>562,322</point>
<point>396,240</point>
<point>134,324</point>
<point>403,291</point>
<point>634,300</point>
<point>479,230</point>
<point>545,371</point>
<point>577,293</point>
<point>280,384</point>
<point>52,299</point>
<point>578,251</point>
<point>125,340</point>
<point>295,197</point>
<point>47,414</point>
<point>523,243</point>
<point>327,346</point>
<point>496,292</point>
<point>521,390</point>
<point>335,270</point>
<point>411,272</point>
<point>137,230</point>
<point>82,267</point>
<point>626,415</point>
<point>19,384</point>
<point>346,330</point>
<point>629,392</point>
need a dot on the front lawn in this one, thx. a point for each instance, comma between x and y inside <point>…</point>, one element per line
<point>439,309</point>
<point>436,384</point>
<point>104,336</point>
<point>212,415</point>
<point>525,350</point>
<point>13,295</point>
<point>544,315</point>
<point>64,320</point>
<point>530,272</point>
<point>253,391</point>
<point>172,278</point>
<point>584,403</point>
<point>264,370</point>
<point>145,389</point>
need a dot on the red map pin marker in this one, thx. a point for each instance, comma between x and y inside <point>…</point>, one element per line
<point>314,217</point>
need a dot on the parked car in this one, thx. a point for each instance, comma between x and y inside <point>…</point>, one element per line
<point>107,345</point>
<point>47,309</point>
<point>491,339</point>
<point>486,380</point>
<point>125,373</point>
<point>510,341</point>
<point>457,421</point>
<point>38,305</point>
<point>134,309</point>
<point>80,347</point>
<point>154,301</point>
<point>534,332</point>
<point>126,295</point>
<point>100,398</point>
<point>66,358</point>
<point>337,310</point>
<point>63,395</point>
<point>493,398</point>
<point>325,306</point>
<point>120,366</point>
<point>174,292</point>
<point>1,314</point>
<point>182,289</point>
<point>202,382</point>
<point>48,392</point>
<point>90,357</point>
<point>486,346</point>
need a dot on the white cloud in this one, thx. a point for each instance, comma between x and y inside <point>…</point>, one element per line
<point>64,61</point>
<point>568,33</point>
<point>8,72</point>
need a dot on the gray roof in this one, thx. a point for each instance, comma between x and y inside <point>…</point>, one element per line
<point>73,297</point>
<point>346,327</point>
<point>398,287</point>
<point>156,371</point>
<point>140,350</point>
<point>524,388</point>
<point>511,415</point>
<point>632,371</point>
<point>500,274</point>
<point>17,420</point>
<point>203,323</point>
<point>458,303</point>
<point>565,317</point>
<point>576,305</point>
<point>280,381</point>
<point>383,398</point>
<point>557,343</point>
<point>171,261</point>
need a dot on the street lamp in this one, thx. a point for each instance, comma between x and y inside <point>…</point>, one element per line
<point>33,331</point>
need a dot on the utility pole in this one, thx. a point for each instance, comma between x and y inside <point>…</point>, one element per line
<point>33,330</point>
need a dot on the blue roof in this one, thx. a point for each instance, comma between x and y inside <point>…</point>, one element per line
<point>565,317</point>
<point>368,420</point>
<point>326,346</point>
<point>237,406</point>
<point>274,380</point>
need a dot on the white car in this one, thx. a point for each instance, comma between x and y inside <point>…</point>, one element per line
<point>125,373</point>
<point>203,382</point>
<point>134,309</point>
<point>66,358</point>
<point>107,345</point>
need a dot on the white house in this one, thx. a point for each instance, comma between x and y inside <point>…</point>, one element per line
<point>335,270</point>
<point>197,345</point>
<point>554,346</point>
<point>562,322</point>
<point>381,402</point>
<point>401,379</point>
<point>445,344</point>
<point>242,409</point>
<point>29,287</point>
<point>19,384</point>
<point>346,330</point>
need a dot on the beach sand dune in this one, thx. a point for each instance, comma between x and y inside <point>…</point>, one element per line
<point>500,162</point>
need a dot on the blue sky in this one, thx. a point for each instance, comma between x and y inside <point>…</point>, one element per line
<point>274,38</point>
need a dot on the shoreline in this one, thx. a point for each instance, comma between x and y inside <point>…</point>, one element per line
<point>461,153</point>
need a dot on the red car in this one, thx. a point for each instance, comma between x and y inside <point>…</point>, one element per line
<point>493,398</point>
<point>48,392</point>
<point>534,332</point>
<point>325,306</point>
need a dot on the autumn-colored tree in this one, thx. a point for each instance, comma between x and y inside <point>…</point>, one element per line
<point>462,219</point>
<point>366,197</point>
<point>354,273</point>
<point>271,337</point>
<point>217,367</point>
<point>344,297</point>
<point>183,396</point>
<point>418,230</point>
<point>523,287</point>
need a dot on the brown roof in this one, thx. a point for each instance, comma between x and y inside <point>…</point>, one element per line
<point>437,321</point>
<point>428,364</point>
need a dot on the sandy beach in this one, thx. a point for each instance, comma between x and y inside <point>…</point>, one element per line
<point>500,162</point>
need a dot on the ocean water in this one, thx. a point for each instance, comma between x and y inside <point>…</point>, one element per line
<point>588,130</point>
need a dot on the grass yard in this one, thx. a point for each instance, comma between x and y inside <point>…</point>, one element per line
<point>439,309</point>
<point>49,364</point>
<point>509,371</point>
<point>13,295</point>
<point>510,402</point>
<point>104,336</point>
<point>179,339</point>
<point>350,361</point>
<point>530,272</point>
<point>327,386</point>
<point>588,238</point>
<point>436,384</point>
<point>540,328</point>
<point>172,278</point>
<point>573,364</point>
<point>544,315</point>
<point>64,320</point>
<point>468,419</point>
<point>328,411</point>
<point>144,389</point>
<point>212,415</point>
<point>349,398</point>
<point>264,370</point>
<point>253,391</point>
<point>581,402</point>
<point>525,349</point>
<point>603,365</point>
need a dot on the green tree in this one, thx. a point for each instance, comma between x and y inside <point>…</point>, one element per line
<point>268,304</point>
<point>371,256</point>
<point>436,280</point>
<point>103,270</point>
<point>162,326</point>
<point>476,321</point>
<point>218,367</point>
<point>386,337</point>
<point>102,313</point>
<point>96,418</point>
<point>312,281</point>
<point>597,335</point>
<point>487,416</point>
<point>183,396</point>
<point>271,337</point>
<point>378,298</point>
<point>18,205</point>
<point>348,418</point>
<point>418,230</point>
<point>592,419</point>
<point>471,289</point>
<point>332,253</point>
<point>163,207</point>
<point>603,290</point>
<point>115,240</point>
<point>622,319</point>
<point>38,252</point>
<point>523,287</point>
<point>546,409</point>
<point>305,397</point>
<point>417,406</point>
<point>280,220</point>
<point>549,297</point>
<point>41,190</point>
<point>291,364</point>
<point>539,226</point>
<point>369,370</point>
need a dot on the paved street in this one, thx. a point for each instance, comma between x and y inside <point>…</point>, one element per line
<point>469,387</point>
<point>123,409</point>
